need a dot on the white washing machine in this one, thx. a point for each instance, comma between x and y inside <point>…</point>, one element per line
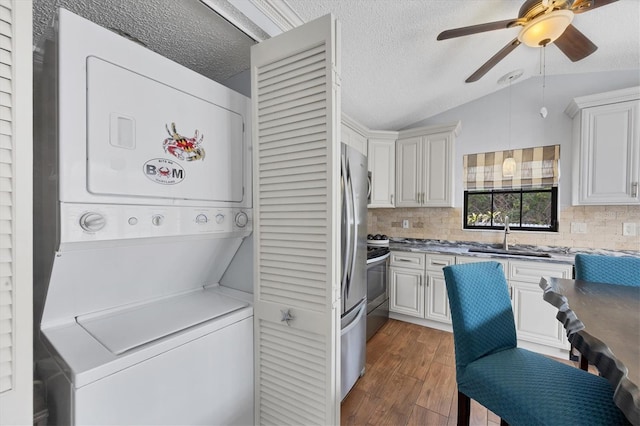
<point>145,193</point>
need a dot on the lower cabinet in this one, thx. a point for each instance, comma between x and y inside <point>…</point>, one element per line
<point>417,285</point>
<point>418,290</point>
<point>534,317</point>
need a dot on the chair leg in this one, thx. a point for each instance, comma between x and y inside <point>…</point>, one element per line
<point>464,409</point>
<point>584,363</point>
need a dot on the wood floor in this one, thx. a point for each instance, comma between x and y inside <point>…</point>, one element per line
<point>410,379</point>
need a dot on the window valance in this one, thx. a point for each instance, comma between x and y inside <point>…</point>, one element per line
<point>535,167</point>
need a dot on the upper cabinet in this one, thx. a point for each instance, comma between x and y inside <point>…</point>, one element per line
<point>424,166</point>
<point>382,169</point>
<point>352,134</point>
<point>606,149</point>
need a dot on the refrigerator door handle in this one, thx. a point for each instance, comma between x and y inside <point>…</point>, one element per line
<point>346,237</point>
<point>357,317</point>
<point>354,225</point>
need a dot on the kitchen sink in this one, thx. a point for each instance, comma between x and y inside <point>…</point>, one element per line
<point>509,252</point>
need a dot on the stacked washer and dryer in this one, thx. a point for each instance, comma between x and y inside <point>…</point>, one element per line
<point>143,198</point>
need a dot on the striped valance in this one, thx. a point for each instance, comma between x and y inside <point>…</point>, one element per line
<point>535,167</point>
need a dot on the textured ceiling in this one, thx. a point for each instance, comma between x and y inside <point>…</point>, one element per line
<point>185,31</point>
<point>394,72</point>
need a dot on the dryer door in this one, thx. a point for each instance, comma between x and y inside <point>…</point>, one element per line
<point>148,139</point>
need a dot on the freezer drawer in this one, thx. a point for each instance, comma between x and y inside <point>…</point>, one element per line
<point>353,339</point>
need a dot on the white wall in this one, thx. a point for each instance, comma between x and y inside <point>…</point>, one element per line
<point>485,121</point>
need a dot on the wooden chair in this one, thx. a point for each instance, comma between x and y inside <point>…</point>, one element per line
<point>520,386</point>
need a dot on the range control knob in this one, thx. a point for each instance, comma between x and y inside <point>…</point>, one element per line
<point>219,218</point>
<point>202,219</point>
<point>92,222</point>
<point>241,220</point>
<point>157,219</point>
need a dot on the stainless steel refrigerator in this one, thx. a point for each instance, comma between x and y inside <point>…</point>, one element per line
<point>354,263</point>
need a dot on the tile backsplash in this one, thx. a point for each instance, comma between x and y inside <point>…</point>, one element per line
<point>603,227</point>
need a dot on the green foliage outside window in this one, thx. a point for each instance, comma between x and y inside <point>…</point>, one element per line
<point>527,209</point>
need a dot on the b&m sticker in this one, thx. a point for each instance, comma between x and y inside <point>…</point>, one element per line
<point>163,171</point>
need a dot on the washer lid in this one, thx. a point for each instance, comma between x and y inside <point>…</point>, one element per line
<point>128,328</point>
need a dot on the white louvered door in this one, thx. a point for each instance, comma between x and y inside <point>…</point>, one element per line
<point>296,129</point>
<point>16,359</point>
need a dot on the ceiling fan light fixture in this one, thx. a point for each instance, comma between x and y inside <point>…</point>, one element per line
<point>545,28</point>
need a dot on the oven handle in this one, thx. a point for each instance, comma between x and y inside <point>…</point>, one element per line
<point>379,259</point>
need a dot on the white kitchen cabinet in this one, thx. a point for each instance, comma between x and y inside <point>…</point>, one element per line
<point>406,291</point>
<point>606,148</point>
<point>534,317</point>
<point>382,169</point>
<point>425,165</point>
<point>436,299</point>
<point>352,134</point>
<point>417,285</point>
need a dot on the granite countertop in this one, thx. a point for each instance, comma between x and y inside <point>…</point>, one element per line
<point>551,253</point>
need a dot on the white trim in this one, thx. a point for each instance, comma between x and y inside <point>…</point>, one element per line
<point>598,99</point>
<point>279,12</point>
<point>16,405</point>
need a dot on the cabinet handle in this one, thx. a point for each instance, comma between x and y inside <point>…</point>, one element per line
<point>423,198</point>
<point>391,198</point>
<point>439,262</point>
<point>511,293</point>
<point>402,260</point>
<point>634,189</point>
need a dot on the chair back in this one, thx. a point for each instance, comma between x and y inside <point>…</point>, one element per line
<point>480,311</point>
<point>623,270</point>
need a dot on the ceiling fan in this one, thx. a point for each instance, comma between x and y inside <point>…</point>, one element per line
<point>543,22</point>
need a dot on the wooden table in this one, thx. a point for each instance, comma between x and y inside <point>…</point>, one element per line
<point>603,323</point>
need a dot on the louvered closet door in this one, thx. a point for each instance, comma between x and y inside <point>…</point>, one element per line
<point>295,101</point>
<point>16,170</point>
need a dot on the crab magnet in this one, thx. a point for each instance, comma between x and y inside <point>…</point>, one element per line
<point>183,148</point>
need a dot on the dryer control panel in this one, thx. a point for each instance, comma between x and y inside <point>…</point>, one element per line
<point>100,222</point>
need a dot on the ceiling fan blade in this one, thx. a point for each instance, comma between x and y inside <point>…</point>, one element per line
<point>474,29</point>
<point>493,61</point>
<point>574,44</point>
<point>581,6</point>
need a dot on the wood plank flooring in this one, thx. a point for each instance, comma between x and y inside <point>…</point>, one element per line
<point>410,379</point>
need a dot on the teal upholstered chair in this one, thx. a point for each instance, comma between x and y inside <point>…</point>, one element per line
<point>522,387</point>
<point>608,269</point>
<point>621,270</point>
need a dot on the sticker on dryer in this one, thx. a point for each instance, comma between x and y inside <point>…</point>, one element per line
<point>188,149</point>
<point>163,171</point>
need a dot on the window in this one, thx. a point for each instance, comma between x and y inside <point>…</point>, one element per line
<point>528,209</point>
<point>528,195</point>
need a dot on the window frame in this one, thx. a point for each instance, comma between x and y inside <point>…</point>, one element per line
<point>554,208</point>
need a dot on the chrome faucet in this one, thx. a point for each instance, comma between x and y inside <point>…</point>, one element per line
<point>505,243</point>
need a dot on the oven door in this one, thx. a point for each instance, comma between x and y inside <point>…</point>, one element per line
<point>377,293</point>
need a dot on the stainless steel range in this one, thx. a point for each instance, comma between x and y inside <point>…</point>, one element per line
<point>377,282</point>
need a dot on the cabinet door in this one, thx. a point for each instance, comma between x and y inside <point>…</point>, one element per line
<point>609,155</point>
<point>407,292</point>
<point>382,165</point>
<point>409,172</point>
<point>436,300</point>
<point>534,317</point>
<point>437,170</point>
